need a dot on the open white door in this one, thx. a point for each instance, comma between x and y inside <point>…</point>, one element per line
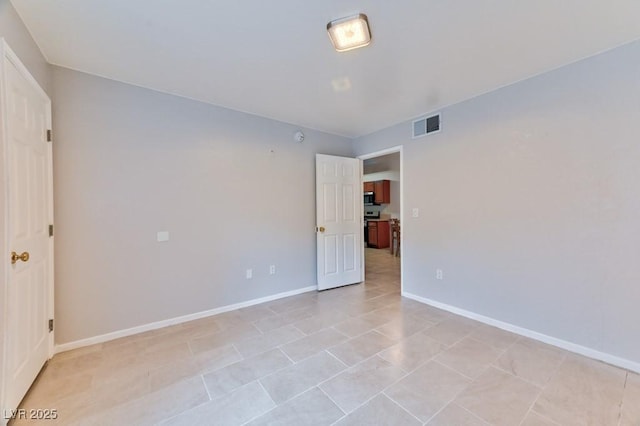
<point>339,219</point>
<point>27,192</point>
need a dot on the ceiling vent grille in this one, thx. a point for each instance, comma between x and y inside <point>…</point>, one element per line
<point>427,125</point>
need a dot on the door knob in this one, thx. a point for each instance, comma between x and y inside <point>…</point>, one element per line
<point>15,257</point>
<point>321,229</point>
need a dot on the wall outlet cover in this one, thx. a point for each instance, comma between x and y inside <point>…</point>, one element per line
<point>162,236</point>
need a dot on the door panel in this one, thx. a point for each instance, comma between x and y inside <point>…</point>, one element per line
<point>28,165</point>
<point>339,221</point>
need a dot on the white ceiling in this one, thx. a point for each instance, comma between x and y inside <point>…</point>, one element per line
<point>274,59</point>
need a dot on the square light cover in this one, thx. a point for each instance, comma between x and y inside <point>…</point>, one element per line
<point>349,33</point>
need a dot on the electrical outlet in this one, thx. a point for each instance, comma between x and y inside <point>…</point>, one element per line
<point>249,274</point>
<point>415,212</point>
<point>162,236</point>
<point>439,274</point>
<point>272,270</point>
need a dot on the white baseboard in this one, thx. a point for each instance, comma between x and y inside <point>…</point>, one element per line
<point>563,344</point>
<point>173,321</point>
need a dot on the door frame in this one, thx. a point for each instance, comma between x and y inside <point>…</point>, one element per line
<point>7,55</point>
<point>380,153</point>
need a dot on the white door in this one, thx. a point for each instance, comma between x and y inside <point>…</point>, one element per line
<point>27,161</point>
<point>339,220</point>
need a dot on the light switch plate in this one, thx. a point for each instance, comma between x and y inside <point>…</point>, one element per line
<point>416,212</point>
<point>163,236</point>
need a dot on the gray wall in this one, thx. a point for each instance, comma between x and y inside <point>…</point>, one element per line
<point>530,201</point>
<point>130,162</point>
<point>18,38</point>
<point>20,41</point>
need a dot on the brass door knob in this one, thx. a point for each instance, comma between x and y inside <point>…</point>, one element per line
<point>15,257</point>
<point>321,229</point>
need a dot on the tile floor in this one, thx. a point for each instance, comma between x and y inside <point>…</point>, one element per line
<point>359,355</point>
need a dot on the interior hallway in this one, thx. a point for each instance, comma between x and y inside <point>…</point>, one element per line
<point>354,355</point>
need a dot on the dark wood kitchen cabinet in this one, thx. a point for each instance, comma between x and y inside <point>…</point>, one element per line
<point>378,234</point>
<point>382,191</point>
<point>368,186</point>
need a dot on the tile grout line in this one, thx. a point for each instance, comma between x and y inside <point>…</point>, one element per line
<point>473,414</point>
<point>206,388</point>
<point>497,367</point>
<point>334,403</point>
<point>530,409</point>
<point>620,406</point>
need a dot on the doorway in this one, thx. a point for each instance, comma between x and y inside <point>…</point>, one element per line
<point>383,213</point>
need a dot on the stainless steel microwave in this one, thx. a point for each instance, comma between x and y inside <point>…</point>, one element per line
<point>369,199</point>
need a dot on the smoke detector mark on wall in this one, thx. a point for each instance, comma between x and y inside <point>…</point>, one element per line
<point>426,125</point>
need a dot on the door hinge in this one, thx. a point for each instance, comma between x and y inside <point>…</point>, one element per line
<point>49,135</point>
<point>51,230</point>
<point>50,325</point>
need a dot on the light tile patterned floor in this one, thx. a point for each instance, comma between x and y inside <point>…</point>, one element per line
<point>359,355</point>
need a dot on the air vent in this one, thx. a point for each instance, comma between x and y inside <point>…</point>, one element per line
<point>425,126</point>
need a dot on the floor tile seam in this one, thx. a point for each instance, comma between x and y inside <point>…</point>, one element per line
<point>165,421</point>
<point>327,348</point>
<point>547,418</point>
<point>362,360</point>
<point>328,379</point>
<point>366,332</point>
<point>353,366</point>
<point>305,334</point>
<point>317,385</point>
<point>510,346</point>
<point>384,392</point>
<point>533,403</point>
<point>231,342</point>
<point>336,358</point>
<point>323,328</point>
<point>621,405</point>
<point>256,378</point>
<point>406,409</point>
<point>556,370</point>
<point>497,367</point>
<point>334,403</point>
<point>501,350</point>
<point>290,311</point>
<point>205,372</point>
<point>265,412</point>
<point>474,414</point>
<point>452,344</point>
<point>205,387</point>
<point>403,336</point>
<point>141,397</point>
<point>268,308</point>
<point>275,404</point>
<point>452,401</point>
<point>287,355</point>
<point>422,363</point>
<point>261,351</point>
<point>473,379</point>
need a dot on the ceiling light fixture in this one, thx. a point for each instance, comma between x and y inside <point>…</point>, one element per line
<point>350,32</point>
